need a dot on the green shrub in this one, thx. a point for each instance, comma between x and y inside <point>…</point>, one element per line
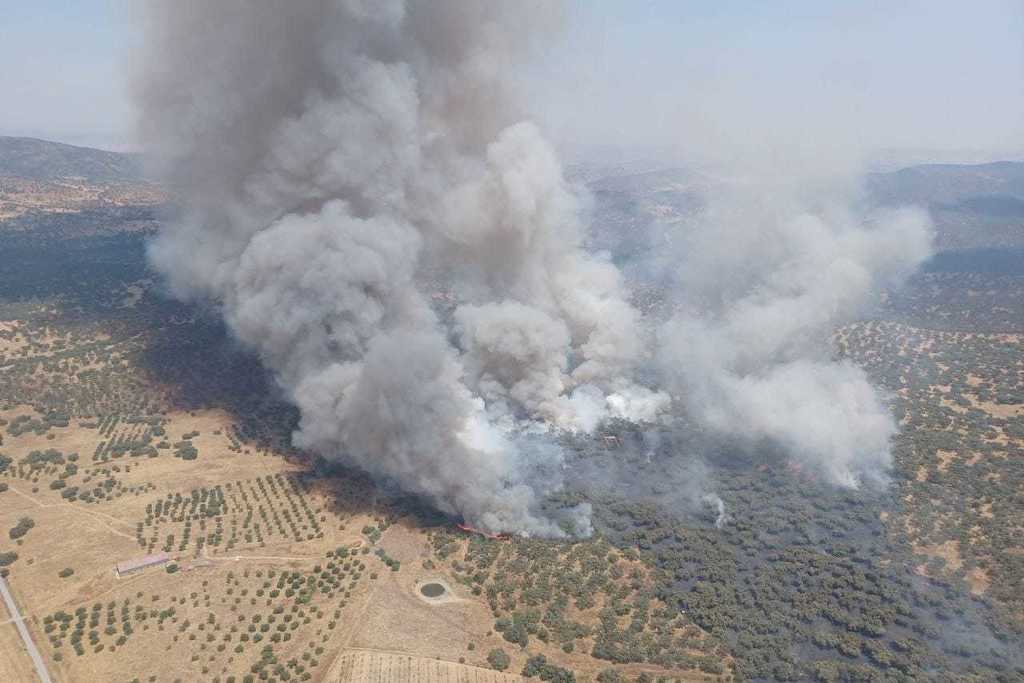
<point>498,659</point>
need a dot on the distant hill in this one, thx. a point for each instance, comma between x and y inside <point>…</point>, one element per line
<point>57,190</point>
<point>974,206</point>
<point>34,159</point>
<point>949,183</point>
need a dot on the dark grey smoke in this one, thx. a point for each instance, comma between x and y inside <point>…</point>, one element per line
<point>373,215</point>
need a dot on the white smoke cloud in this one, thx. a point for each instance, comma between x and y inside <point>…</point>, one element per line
<point>342,159</point>
<point>715,502</point>
<point>337,155</point>
<point>764,279</point>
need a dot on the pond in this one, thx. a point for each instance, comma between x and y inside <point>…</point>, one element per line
<point>432,590</point>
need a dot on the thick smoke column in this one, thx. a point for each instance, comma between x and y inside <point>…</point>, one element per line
<point>374,218</point>
<point>344,160</point>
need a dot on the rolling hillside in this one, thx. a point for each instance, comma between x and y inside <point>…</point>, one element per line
<point>33,159</point>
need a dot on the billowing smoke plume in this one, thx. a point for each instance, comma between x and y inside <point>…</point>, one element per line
<point>347,164</point>
<point>764,277</point>
<point>374,217</point>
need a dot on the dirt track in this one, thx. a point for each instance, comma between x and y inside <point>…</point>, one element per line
<point>26,637</point>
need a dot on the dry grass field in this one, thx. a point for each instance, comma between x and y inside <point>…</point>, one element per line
<point>369,666</point>
<point>225,584</point>
<point>15,664</point>
<point>271,572</point>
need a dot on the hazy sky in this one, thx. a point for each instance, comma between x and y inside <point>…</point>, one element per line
<point>725,77</point>
<point>63,74</point>
<point>707,77</point>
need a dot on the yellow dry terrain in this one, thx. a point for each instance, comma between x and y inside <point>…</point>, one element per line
<point>15,664</point>
<point>368,666</point>
<point>272,570</point>
<point>196,617</point>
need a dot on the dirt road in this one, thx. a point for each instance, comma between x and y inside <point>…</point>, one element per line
<point>26,637</point>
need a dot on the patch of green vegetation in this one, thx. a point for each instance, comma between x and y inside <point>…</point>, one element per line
<point>239,513</point>
<point>498,659</point>
<point>24,525</point>
<point>551,592</point>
